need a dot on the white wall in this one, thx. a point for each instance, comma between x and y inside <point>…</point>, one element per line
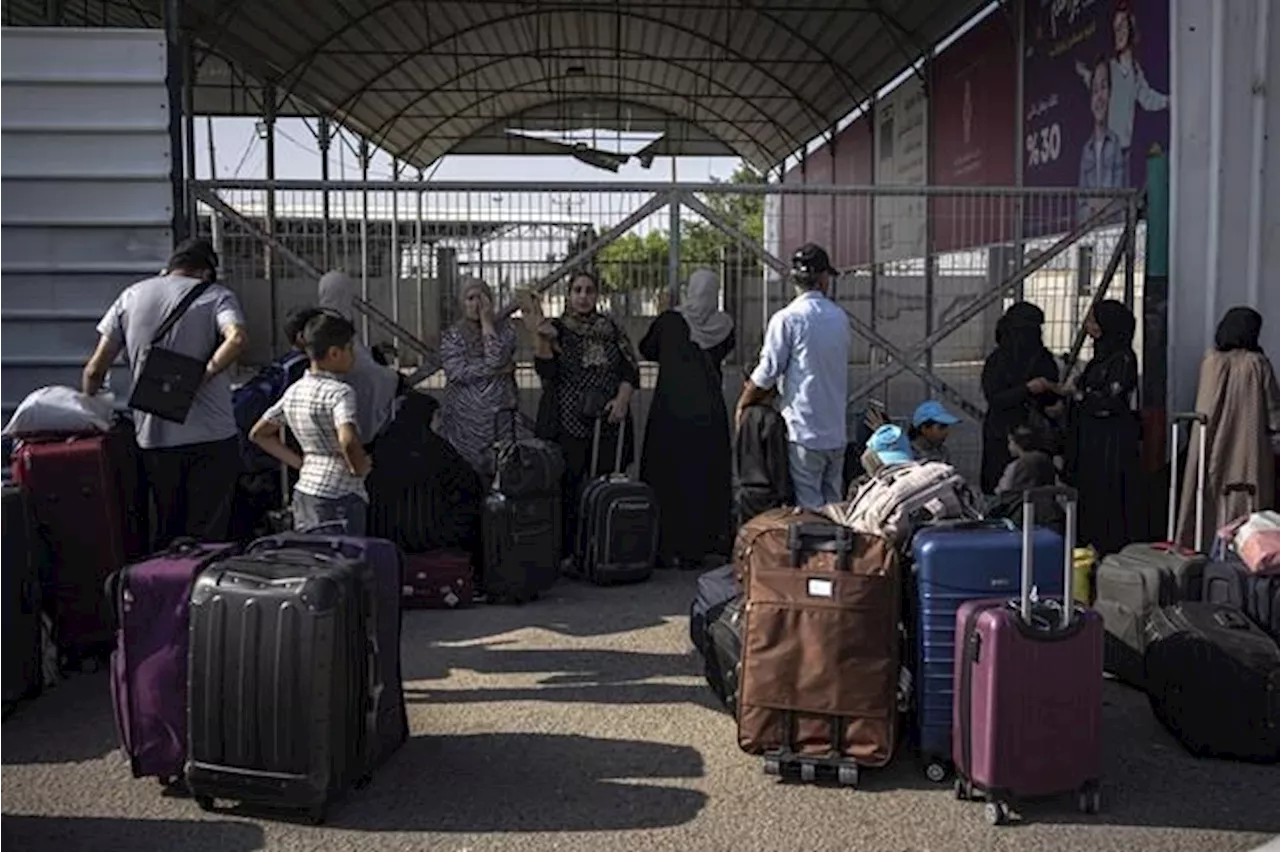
<point>1224,177</point>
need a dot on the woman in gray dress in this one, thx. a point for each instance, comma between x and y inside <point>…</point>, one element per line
<point>478,354</point>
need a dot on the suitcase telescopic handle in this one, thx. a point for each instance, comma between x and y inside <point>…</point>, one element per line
<point>1192,417</point>
<point>1247,488</point>
<point>1068,497</point>
<point>617,451</point>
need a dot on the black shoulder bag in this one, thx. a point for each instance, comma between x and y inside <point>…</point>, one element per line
<point>167,384</point>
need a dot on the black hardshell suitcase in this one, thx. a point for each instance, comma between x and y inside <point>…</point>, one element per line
<point>1213,680</point>
<point>520,524</point>
<point>21,600</point>
<point>617,536</point>
<point>282,658</point>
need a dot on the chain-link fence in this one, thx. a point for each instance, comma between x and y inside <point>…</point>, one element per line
<point>925,272</point>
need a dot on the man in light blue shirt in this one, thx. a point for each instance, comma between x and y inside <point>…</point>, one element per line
<point>806,348</point>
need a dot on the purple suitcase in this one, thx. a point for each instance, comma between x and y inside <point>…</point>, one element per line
<point>1027,718</point>
<point>149,663</point>
<point>386,563</point>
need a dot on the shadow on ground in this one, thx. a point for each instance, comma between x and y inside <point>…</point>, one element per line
<point>1150,780</point>
<point>526,783</point>
<point>69,722</point>
<point>570,608</point>
<point>73,834</point>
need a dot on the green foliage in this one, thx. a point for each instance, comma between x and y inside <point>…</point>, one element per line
<point>637,261</point>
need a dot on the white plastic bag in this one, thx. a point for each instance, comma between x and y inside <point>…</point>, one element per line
<point>61,409</point>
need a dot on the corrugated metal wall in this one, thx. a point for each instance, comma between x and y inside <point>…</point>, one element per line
<point>87,199</point>
<point>1224,177</point>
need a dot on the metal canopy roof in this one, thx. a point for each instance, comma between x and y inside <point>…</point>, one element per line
<point>423,78</point>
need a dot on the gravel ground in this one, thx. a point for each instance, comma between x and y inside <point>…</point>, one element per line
<point>581,723</point>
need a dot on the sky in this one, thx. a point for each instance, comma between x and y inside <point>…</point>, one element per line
<point>239,153</point>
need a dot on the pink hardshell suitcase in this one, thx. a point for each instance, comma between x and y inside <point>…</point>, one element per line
<point>1027,718</point>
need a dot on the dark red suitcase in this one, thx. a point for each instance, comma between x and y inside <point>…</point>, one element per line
<point>438,579</point>
<point>87,501</point>
<point>1028,684</point>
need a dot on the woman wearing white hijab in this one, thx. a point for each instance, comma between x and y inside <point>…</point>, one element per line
<point>376,386</point>
<point>686,457</point>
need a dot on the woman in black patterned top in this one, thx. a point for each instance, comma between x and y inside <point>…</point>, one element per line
<point>588,370</point>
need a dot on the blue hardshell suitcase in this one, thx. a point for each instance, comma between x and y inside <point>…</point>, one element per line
<point>954,563</point>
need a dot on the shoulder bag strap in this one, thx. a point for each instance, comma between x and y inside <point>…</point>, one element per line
<point>178,310</point>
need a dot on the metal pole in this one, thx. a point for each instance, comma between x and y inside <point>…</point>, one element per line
<point>1019,128</point>
<point>929,257</point>
<point>268,251</point>
<point>421,255</point>
<point>364,232</point>
<point>1130,251</point>
<point>215,221</point>
<point>173,85</point>
<point>673,246</point>
<point>322,139</point>
<point>189,121</point>
<point>394,266</point>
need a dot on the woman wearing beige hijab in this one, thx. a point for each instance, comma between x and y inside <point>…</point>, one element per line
<point>686,457</point>
<point>1238,393</point>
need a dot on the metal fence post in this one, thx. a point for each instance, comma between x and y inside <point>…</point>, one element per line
<point>420,252</point>
<point>322,139</point>
<point>1130,250</point>
<point>394,266</point>
<point>673,251</point>
<point>268,252</point>
<point>364,233</point>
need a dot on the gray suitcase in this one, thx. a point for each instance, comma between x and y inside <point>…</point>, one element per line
<point>1140,579</point>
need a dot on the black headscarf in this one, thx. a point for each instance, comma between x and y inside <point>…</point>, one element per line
<point>1240,329</point>
<point>1118,325</point>
<point>1018,336</point>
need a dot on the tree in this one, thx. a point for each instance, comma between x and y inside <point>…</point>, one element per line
<point>636,262</point>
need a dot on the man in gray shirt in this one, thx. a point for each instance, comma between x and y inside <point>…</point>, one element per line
<point>191,466</point>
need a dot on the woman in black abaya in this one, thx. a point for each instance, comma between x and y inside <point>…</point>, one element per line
<point>1018,380</point>
<point>1102,457</point>
<point>686,457</point>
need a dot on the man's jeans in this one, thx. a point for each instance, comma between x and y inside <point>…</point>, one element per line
<point>329,515</point>
<point>817,475</point>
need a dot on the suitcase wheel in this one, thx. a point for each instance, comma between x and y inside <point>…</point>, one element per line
<point>205,802</point>
<point>997,813</point>
<point>961,789</point>
<point>847,776</point>
<point>1089,799</point>
<point>936,771</point>
<point>808,773</point>
<point>772,766</point>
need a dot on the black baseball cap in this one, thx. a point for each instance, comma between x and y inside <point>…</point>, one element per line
<point>811,259</point>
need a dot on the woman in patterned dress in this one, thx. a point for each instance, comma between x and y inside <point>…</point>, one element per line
<point>588,371</point>
<point>477,354</point>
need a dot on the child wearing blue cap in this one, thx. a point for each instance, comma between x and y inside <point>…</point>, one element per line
<point>930,425</point>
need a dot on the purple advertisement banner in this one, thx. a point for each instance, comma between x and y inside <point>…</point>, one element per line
<point>1096,99</point>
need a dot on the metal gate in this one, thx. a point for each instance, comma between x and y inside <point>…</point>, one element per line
<point>925,271</point>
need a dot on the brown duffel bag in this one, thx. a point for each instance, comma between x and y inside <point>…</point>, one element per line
<point>820,645</point>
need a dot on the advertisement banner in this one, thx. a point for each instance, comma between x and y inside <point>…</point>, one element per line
<point>974,134</point>
<point>1096,99</point>
<point>901,135</point>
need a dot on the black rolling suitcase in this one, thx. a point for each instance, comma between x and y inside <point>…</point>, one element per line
<point>617,535</point>
<point>520,524</point>
<point>21,601</point>
<point>282,710</point>
<point>1213,679</point>
<point>723,663</point>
